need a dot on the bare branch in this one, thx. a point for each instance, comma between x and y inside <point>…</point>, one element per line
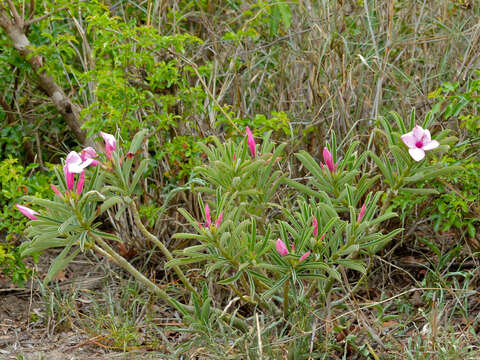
<point>8,110</point>
<point>16,16</point>
<point>43,17</point>
<point>31,10</point>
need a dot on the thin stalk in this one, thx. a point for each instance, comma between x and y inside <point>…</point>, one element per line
<point>104,249</point>
<point>161,246</point>
<point>285,299</point>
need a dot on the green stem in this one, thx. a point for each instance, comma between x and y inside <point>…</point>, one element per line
<point>161,246</point>
<point>285,299</point>
<point>104,249</point>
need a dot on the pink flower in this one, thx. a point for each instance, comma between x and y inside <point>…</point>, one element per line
<point>362,213</point>
<point>327,157</point>
<point>89,153</point>
<point>219,220</point>
<point>418,141</point>
<point>322,237</point>
<point>304,256</point>
<point>80,183</point>
<point>281,248</point>
<point>110,143</point>
<point>315,227</point>
<point>56,191</point>
<point>29,213</point>
<point>250,141</point>
<point>74,165</point>
<point>208,219</point>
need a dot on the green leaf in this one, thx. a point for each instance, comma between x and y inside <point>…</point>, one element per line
<point>300,187</point>
<point>230,279</point>
<point>356,265</point>
<point>107,204</point>
<point>138,174</point>
<point>419,191</point>
<point>36,246</point>
<point>60,263</point>
<point>137,141</point>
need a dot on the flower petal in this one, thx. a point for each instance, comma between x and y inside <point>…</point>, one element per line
<point>417,154</point>
<point>431,145</point>
<point>73,158</point>
<point>409,139</point>
<point>77,168</point>
<point>418,132</point>
<point>426,136</point>
<point>88,153</point>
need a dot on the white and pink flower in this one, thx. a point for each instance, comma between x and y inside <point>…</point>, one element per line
<point>418,141</point>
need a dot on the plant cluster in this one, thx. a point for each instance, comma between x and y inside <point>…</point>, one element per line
<point>270,257</point>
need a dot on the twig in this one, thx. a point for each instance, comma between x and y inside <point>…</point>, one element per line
<point>260,351</point>
<point>16,15</point>
<point>43,17</point>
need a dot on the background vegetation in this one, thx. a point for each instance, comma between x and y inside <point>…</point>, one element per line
<point>190,72</point>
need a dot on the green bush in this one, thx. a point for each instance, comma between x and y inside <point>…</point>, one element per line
<point>17,181</point>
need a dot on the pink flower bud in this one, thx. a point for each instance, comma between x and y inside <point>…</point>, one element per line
<point>250,141</point>
<point>281,248</point>
<point>362,213</point>
<point>29,213</point>
<point>327,157</point>
<point>80,183</point>
<point>304,256</point>
<point>219,220</point>
<point>208,219</point>
<point>56,191</point>
<point>315,227</point>
<point>322,237</point>
<point>110,143</point>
